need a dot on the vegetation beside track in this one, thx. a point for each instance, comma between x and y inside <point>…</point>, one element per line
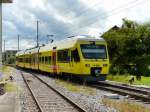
<point>125,79</point>
<point>11,87</point>
<point>125,105</point>
<point>6,72</point>
<point>128,48</point>
<point>77,88</point>
<point>129,45</point>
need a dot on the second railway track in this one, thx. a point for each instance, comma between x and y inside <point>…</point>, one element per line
<point>47,98</point>
<point>136,93</point>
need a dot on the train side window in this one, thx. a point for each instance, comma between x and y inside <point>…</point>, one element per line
<point>42,59</point>
<point>49,59</point>
<point>75,55</point>
<point>46,60</point>
<point>29,60</point>
<point>25,60</point>
<point>21,60</point>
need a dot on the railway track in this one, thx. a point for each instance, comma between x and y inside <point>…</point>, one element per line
<point>47,98</point>
<point>132,92</point>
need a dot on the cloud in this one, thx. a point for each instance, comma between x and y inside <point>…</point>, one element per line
<point>63,18</point>
<point>60,18</point>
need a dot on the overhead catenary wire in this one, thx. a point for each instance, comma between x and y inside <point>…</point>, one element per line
<point>84,10</point>
<point>114,13</point>
<point>112,10</point>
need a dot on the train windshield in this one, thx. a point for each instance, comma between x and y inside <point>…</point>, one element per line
<point>91,51</point>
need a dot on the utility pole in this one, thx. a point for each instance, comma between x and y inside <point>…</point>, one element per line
<point>4,46</point>
<point>37,32</point>
<point>18,41</point>
<point>4,54</point>
<point>1,2</point>
<point>0,33</point>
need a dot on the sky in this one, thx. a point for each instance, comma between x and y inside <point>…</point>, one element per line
<point>63,18</point>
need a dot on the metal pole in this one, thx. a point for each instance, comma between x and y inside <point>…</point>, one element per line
<point>18,41</point>
<point>4,55</point>
<point>0,34</point>
<point>4,45</point>
<point>37,33</point>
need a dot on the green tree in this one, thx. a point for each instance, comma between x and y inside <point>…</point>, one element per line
<point>129,44</point>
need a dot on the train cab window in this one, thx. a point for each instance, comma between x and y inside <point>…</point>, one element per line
<point>75,55</point>
<point>92,51</point>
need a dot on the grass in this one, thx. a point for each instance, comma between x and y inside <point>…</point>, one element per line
<point>5,69</point>
<point>11,87</point>
<point>125,78</point>
<point>76,88</point>
<point>6,72</point>
<point>124,105</point>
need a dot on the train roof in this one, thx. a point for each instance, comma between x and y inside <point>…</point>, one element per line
<point>62,44</point>
<point>70,42</point>
<point>32,50</point>
<point>28,51</point>
<point>19,53</point>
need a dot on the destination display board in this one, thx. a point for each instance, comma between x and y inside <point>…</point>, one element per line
<point>6,1</point>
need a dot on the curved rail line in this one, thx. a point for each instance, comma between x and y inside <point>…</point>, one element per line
<point>75,105</point>
<point>138,94</point>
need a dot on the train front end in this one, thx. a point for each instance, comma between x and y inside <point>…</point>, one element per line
<point>94,59</point>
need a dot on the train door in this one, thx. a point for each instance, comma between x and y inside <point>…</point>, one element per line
<point>54,62</point>
<point>75,59</point>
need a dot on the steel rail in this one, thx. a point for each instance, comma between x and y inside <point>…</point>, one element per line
<point>32,93</point>
<point>123,91</point>
<point>61,94</point>
<point>127,87</point>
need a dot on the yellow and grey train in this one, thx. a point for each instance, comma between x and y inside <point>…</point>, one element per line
<point>82,56</point>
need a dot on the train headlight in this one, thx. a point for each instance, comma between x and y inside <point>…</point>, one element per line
<point>97,72</point>
<point>105,65</point>
<point>87,65</point>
